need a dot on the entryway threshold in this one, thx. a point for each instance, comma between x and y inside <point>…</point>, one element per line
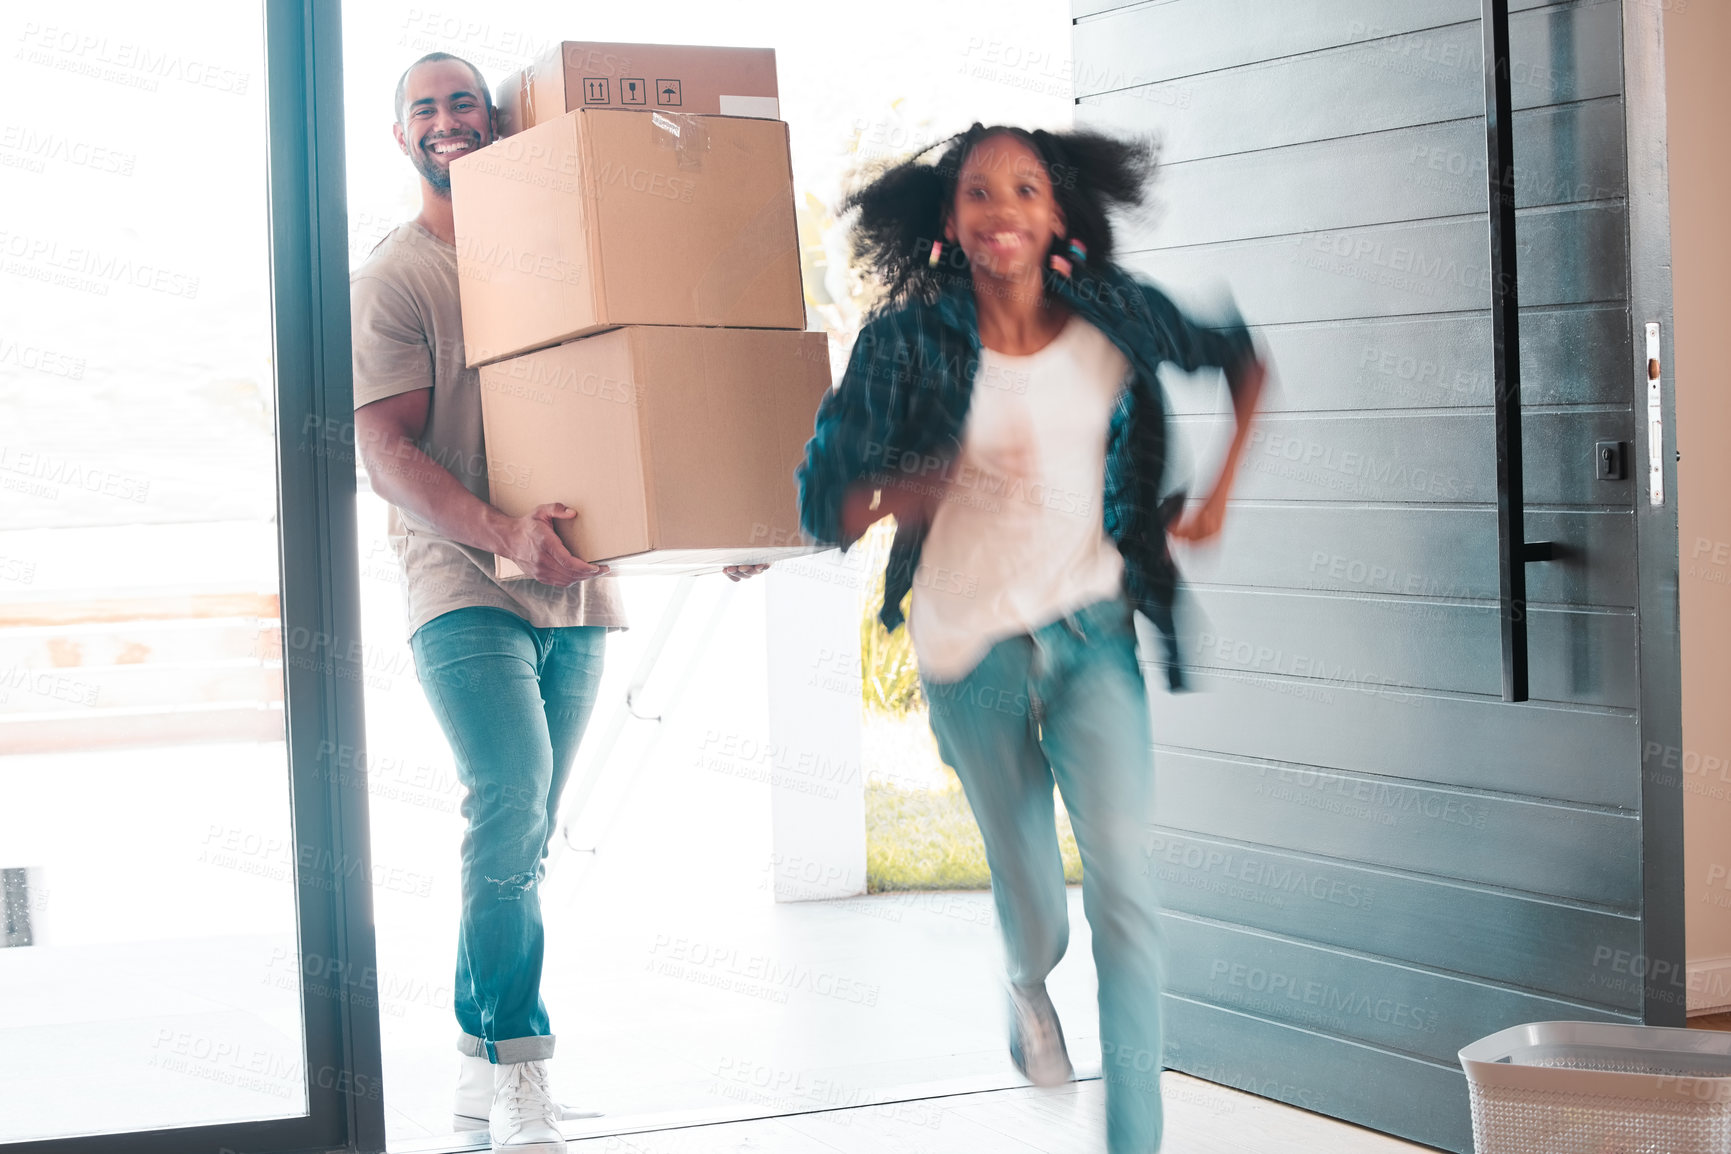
<point>745,1109</point>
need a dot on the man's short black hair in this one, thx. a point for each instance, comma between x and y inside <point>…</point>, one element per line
<point>434,58</point>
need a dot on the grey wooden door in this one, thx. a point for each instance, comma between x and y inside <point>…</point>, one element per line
<point>1367,858</point>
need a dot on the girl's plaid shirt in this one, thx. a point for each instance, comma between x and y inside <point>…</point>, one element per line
<point>902,403</point>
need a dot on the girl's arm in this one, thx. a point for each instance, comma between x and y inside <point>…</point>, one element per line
<point>1205,520</point>
<point>840,491</point>
<point>1192,346</point>
<point>868,502</point>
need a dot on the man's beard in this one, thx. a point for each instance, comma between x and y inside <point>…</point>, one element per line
<point>439,178</point>
<point>431,172</point>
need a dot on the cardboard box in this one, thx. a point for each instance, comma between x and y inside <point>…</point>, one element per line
<point>602,218</point>
<point>665,77</point>
<point>676,446</point>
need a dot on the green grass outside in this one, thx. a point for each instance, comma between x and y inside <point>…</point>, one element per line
<point>918,839</point>
<point>926,839</point>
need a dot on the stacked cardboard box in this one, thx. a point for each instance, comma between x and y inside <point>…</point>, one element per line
<point>663,77</point>
<point>631,296</point>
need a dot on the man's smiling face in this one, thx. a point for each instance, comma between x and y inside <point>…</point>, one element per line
<point>444,115</point>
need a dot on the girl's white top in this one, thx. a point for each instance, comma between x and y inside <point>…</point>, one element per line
<point>1018,541</point>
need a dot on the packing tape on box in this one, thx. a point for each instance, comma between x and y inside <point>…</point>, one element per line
<point>684,134</point>
<point>526,88</point>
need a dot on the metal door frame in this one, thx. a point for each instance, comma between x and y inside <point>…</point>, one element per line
<point>1658,620</point>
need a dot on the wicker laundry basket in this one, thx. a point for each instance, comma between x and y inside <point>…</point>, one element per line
<point>1598,1088</point>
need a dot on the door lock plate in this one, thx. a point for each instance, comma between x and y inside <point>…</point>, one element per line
<point>1655,421</point>
<point>1608,460</point>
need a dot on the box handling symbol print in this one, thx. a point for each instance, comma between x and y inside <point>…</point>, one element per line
<point>667,93</point>
<point>633,90</point>
<point>595,90</point>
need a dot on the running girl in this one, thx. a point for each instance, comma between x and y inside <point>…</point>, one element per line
<point>1003,406</point>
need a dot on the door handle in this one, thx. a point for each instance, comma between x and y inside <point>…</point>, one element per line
<point>1514,551</point>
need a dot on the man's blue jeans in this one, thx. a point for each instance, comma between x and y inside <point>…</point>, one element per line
<point>1067,704</point>
<point>513,701</point>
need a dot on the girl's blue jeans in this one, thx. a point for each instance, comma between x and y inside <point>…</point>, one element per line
<point>513,700</point>
<point>1067,705</point>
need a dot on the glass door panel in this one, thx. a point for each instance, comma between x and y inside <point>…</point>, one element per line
<point>150,972</point>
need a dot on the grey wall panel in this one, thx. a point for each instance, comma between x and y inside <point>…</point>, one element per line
<point>1584,757</point>
<point>1568,154</point>
<point>1348,995</point>
<point>1433,458</point>
<point>1539,847</point>
<point>1327,172</point>
<point>1598,562</point>
<point>1557,450</point>
<point>1582,657</point>
<point>1560,55</point>
<point>1412,1097</point>
<point>1171,38</point>
<point>1549,947</point>
<point>1331,640</point>
<point>1154,42</point>
<point>1569,255</point>
<point>1418,552</point>
<point>1393,643</point>
<point>1570,355</point>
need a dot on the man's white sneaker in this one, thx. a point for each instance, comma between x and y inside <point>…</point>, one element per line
<point>524,1118</point>
<point>475,1096</point>
<point>1036,1039</point>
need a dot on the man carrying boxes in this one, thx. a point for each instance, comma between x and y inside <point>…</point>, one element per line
<point>630,279</point>
<point>510,668</point>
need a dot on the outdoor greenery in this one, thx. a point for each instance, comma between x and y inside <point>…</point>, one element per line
<point>889,676</point>
<point>919,838</point>
<point>926,839</point>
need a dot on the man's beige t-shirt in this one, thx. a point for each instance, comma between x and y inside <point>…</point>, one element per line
<point>408,334</point>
